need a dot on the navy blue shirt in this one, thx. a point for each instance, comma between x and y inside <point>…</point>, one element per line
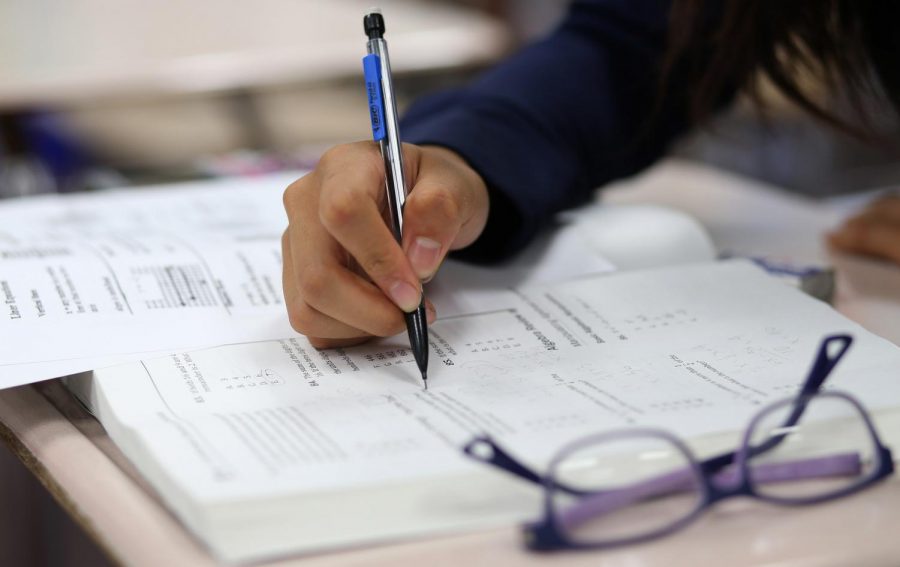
<point>560,118</point>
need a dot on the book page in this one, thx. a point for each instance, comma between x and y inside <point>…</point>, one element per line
<point>696,350</point>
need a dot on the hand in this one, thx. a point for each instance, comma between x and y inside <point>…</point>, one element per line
<point>873,232</point>
<point>345,277</point>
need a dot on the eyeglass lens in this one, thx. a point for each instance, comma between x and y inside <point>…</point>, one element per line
<point>827,451</point>
<point>627,487</point>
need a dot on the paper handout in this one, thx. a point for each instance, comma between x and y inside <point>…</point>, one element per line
<point>89,280</point>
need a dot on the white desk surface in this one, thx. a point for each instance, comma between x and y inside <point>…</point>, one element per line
<point>77,462</point>
<point>63,52</point>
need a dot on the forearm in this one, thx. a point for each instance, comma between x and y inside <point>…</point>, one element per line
<point>560,118</point>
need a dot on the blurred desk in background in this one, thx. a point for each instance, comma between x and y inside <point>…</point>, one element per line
<point>59,53</point>
<point>156,89</point>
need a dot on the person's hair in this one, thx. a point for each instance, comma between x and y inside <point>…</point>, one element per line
<point>849,47</point>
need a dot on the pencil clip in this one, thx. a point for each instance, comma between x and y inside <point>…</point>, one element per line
<point>372,72</point>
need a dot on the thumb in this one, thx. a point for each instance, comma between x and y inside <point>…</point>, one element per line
<point>446,210</point>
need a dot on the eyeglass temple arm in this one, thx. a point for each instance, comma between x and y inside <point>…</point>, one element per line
<point>822,366</point>
<point>682,480</point>
<point>825,363</point>
<point>485,450</point>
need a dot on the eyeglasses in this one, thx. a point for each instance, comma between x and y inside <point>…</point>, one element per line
<point>629,486</point>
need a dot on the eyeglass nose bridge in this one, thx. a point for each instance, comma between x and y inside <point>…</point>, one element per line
<point>735,485</point>
<point>726,480</point>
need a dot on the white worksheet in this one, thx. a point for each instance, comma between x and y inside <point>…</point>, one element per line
<point>92,280</point>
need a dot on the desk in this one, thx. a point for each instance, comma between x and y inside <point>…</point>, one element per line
<point>160,83</point>
<point>77,462</point>
<point>54,53</point>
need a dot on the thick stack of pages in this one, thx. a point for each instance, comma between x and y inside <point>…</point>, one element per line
<point>269,448</point>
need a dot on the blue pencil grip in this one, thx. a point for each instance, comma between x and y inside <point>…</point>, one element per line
<point>372,72</point>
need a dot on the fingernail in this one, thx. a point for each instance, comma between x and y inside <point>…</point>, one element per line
<point>424,255</point>
<point>405,296</point>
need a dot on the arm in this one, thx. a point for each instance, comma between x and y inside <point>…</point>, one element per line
<point>561,118</point>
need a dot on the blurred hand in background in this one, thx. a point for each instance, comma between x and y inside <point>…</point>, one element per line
<point>873,232</point>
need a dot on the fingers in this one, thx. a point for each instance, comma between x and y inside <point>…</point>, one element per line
<point>344,274</point>
<point>875,232</point>
<point>350,209</point>
<point>432,224</point>
<point>325,299</point>
<point>447,209</point>
<point>326,331</point>
<point>304,317</point>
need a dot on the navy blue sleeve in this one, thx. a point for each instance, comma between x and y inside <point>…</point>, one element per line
<point>560,118</point>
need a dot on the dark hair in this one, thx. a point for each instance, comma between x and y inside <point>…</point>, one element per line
<point>850,47</point>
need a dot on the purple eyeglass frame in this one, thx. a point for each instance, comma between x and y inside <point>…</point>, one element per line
<point>720,477</point>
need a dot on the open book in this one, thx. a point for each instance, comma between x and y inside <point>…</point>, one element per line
<point>270,448</point>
